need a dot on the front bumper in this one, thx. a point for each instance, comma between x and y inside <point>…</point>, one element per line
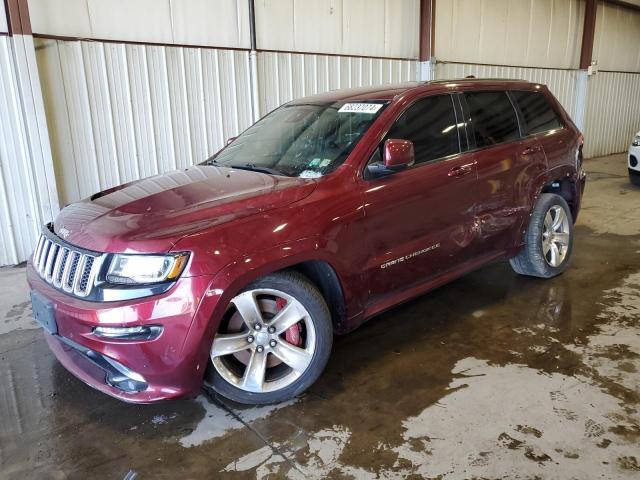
<point>633,164</point>
<point>633,158</point>
<point>140,371</point>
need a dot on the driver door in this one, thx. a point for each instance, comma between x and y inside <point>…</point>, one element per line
<point>419,222</point>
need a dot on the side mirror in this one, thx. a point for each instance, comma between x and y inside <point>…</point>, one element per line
<point>230,140</point>
<point>397,155</point>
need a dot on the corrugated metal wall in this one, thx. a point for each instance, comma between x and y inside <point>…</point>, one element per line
<point>563,83</point>
<point>285,76</point>
<point>372,28</point>
<point>28,196</point>
<point>120,112</point>
<point>535,33</point>
<point>616,44</point>
<point>613,112</point>
<point>545,38</point>
<point>377,28</point>
<point>4,28</point>
<point>213,23</point>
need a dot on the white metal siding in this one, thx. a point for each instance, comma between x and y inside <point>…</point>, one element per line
<point>613,112</point>
<point>376,28</point>
<point>540,33</point>
<point>218,23</point>
<point>28,196</point>
<point>3,19</point>
<point>285,76</point>
<point>120,112</point>
<point>562,83</point>
<point>616,43</point>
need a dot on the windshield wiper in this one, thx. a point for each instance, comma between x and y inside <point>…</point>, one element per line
<point>210,161</point>
<point>254,168</point>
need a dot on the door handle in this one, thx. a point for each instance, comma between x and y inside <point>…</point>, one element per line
<point>461,170</point>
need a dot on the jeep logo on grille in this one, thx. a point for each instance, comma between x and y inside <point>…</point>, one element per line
<point>64,232</point>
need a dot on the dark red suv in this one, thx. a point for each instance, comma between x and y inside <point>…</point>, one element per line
<point>237,272</point>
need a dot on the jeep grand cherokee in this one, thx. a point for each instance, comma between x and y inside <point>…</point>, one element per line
<point>332,208</point>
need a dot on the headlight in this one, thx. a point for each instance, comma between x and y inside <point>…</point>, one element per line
<point>143,269</point>
<point>636,141</point>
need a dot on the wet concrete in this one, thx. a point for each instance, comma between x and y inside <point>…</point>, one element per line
<point>492,376</point>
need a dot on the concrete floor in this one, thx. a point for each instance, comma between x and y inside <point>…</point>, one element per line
<point>492,376</point>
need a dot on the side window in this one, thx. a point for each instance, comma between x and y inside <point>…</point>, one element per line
<point>493,117</point>
<point>431,125</point>
<point>538,114</point>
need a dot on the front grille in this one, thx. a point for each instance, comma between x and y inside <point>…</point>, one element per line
<point>64,266</point>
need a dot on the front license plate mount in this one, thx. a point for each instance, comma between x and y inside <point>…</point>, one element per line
<point>44,313</point>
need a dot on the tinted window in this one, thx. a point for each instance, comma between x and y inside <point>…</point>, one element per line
<point>431,125</point>
<point>493,118</point>
<point>537,112</point>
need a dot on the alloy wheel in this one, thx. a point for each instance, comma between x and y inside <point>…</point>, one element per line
<point>555,236</point>
<point>266,341</point>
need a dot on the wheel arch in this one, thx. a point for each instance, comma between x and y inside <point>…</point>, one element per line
<point>305,257</point>
<point>566,187</point>
<point>325,278</point>
<point>562,181</point>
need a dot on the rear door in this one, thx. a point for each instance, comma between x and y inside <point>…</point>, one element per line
<point>507,163</point>
<point>418,222</point>
<point>541,121</point>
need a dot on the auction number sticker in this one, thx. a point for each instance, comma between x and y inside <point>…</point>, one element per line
<point>360,108</point>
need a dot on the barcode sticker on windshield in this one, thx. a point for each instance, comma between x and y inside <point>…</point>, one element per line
<point>360,108</point>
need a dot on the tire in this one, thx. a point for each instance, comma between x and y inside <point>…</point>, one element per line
<point>536,259</point>
<point>306,344</point>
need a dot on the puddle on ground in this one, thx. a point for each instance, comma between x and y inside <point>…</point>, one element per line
<point>522,376</point>
<point>218,420</point>
<point>493,375</point>
<point>555,395</point>
<point>613,351</point>
<point>562,426</point>
<point>14,297</point>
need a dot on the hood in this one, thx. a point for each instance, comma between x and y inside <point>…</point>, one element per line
<point>151,215</point>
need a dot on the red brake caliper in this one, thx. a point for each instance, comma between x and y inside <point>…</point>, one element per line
<point>291,334</point>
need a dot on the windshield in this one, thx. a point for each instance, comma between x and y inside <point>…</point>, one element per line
<point>300,140</point>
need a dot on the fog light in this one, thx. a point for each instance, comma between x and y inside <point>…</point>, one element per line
<point>139,332</point>
<point>126,384</point>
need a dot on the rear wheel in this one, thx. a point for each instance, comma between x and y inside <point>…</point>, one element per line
<point>548,242</point>
<point>273,342</point>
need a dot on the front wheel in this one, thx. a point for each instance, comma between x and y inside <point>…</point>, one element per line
<point>273,342</point>
<point>548,242</point>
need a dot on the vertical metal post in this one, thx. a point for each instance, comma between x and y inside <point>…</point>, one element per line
<point>253,63</point>
<point>581,99</point>
<point>427,20</point>
<point>586,57</point>
<point>588,33</point>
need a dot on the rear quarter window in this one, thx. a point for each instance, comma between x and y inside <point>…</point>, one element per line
<point>493,117</point>
<point>537,112</point>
